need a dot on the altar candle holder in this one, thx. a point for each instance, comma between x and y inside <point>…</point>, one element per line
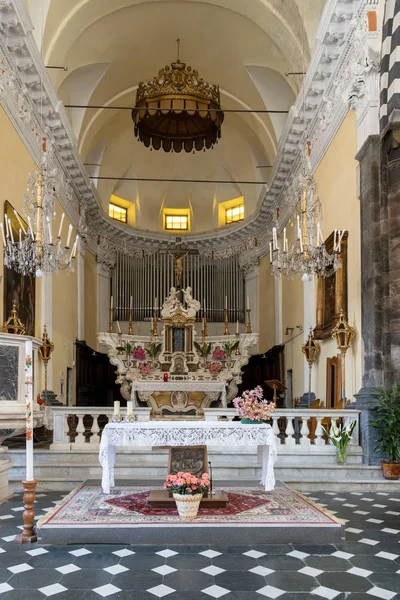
<point>205,324</point>
<point>248,328</point>
<point>226,332</point>
<point>237,351</point>
<point>130,323</point>
<point>154,331</point>
<point>110,327</point>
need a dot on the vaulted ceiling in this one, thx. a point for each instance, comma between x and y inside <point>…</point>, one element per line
<point>244,46</point>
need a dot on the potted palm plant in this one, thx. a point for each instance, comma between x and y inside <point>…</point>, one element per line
<point>204,350</point>
<point>387,425</point>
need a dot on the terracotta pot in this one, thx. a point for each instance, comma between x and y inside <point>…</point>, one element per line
<point>188,506</point>
<point>390,470</point>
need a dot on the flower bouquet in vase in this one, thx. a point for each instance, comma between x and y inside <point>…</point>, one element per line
<point>187,490</point>
<point>340,437</point>
<point>252,406</point>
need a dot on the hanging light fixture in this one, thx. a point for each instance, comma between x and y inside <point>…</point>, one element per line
<point>306,254</point>
<point>178,110</point>
<point>35,249</point>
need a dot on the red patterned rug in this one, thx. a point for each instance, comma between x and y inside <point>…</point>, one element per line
<point>238,503</point>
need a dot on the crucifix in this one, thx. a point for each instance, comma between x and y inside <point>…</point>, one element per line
<point>178,255</point>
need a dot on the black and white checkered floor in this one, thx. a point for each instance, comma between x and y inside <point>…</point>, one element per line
<point>366,565</point>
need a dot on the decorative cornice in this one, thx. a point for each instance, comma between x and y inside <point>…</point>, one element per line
<point>27,95</point>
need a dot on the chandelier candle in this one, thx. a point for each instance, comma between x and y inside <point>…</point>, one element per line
<point>61,224</point>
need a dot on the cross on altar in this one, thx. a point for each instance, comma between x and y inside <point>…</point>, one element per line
<point>178,255</point>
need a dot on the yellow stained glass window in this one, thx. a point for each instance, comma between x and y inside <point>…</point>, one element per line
<point>176,222</point>
<point>236,213</point>
<point>119,213</point>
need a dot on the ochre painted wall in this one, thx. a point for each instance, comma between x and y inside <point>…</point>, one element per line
<point>266,304</point>
<point>90,300</point>
<point>16,162</point>
<point>336,178</point>
<point>293,316</point>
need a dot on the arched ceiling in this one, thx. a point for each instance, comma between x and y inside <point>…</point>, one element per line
<point>244,46</point>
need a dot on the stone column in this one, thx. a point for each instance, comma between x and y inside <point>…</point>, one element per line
<point>373,310</point>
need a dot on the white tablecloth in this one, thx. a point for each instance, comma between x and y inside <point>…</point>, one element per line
<point>188,433</point>
<point>179,386</point>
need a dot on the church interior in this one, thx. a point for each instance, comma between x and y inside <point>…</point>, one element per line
<point>200,341</point>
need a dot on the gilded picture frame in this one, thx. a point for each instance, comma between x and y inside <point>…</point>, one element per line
<point>331,293</point>
<point>18,287</point>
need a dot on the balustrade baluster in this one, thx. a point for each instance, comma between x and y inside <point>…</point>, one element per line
<point>95,431</point>
<point>290,439</point>
<point>319,432</point>
<point>275,428</point>
<point>304,431</point>
<point>80,430</point>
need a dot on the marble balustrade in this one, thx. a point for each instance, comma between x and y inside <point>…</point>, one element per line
<point>78,428</point>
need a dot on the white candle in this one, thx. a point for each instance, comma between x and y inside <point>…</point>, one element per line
<point>226,301</point>
<point>204,305</point>
<point>29,410</point>
<point>118,328</point>
<point>248,303</point>
<point>237,326</point>
<point>2,233</point>
<point>319,235</point>
<point>112,303</point>
<point>284,240</point>
<point>301,245</point>
<point>130,303</point>
<point>30,228</point>
<point>61,224</point>
<point>334,241</point>
<point>10,230</point>
<point>117,408</point>
<point>6,222</point>
<point>129,408</point>
<point>69,236</point>
<point>270,252</point>
<point>155,303</point>
<point>49,230</point>
<point>74,247</point>
<point>20,222</point>
<point>298,228</point>
<point>20,237</point>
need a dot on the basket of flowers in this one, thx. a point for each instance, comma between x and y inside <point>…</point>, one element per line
<point>252,406</point>
<point>187,490</point>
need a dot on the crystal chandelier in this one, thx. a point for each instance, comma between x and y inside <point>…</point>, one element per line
<point>32,247</point>
<point>306,255</point>
<point>177,110</point>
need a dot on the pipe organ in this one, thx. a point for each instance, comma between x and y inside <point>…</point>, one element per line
<point>153,276</point>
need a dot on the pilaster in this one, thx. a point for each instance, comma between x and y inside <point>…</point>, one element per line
<point>103,296</point>
<point>80,266</point>
<point>251,284</point>
<point>278,311</point>
<point>46,318</point>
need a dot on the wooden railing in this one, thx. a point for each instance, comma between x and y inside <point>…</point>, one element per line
<point>81,427</point>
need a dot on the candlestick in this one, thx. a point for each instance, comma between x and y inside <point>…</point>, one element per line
<point>154,331</point>
<point>226,332</point>
<point>237,351</point>
<point>130,328</point>
<point>248,328</point>
<point>28,535</point>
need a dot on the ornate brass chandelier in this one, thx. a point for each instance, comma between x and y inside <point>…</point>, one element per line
<point>178,110</point>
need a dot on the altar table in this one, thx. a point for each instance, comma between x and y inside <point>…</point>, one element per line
<point>188,433</point>
<point>179,386</point>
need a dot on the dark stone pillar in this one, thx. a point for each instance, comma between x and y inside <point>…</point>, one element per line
<point>374,327</point>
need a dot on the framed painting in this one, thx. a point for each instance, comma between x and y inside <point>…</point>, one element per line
<point>332,293</point>
<point>18,287</point>
<point>189,459</point>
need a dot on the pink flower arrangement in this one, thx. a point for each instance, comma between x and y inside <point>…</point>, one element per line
<point>218,354</point>
<point>252,405</point>
<point>214,368</point>
<point>139,353</point>
<point>187,484</point>
<point>145,368</point>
